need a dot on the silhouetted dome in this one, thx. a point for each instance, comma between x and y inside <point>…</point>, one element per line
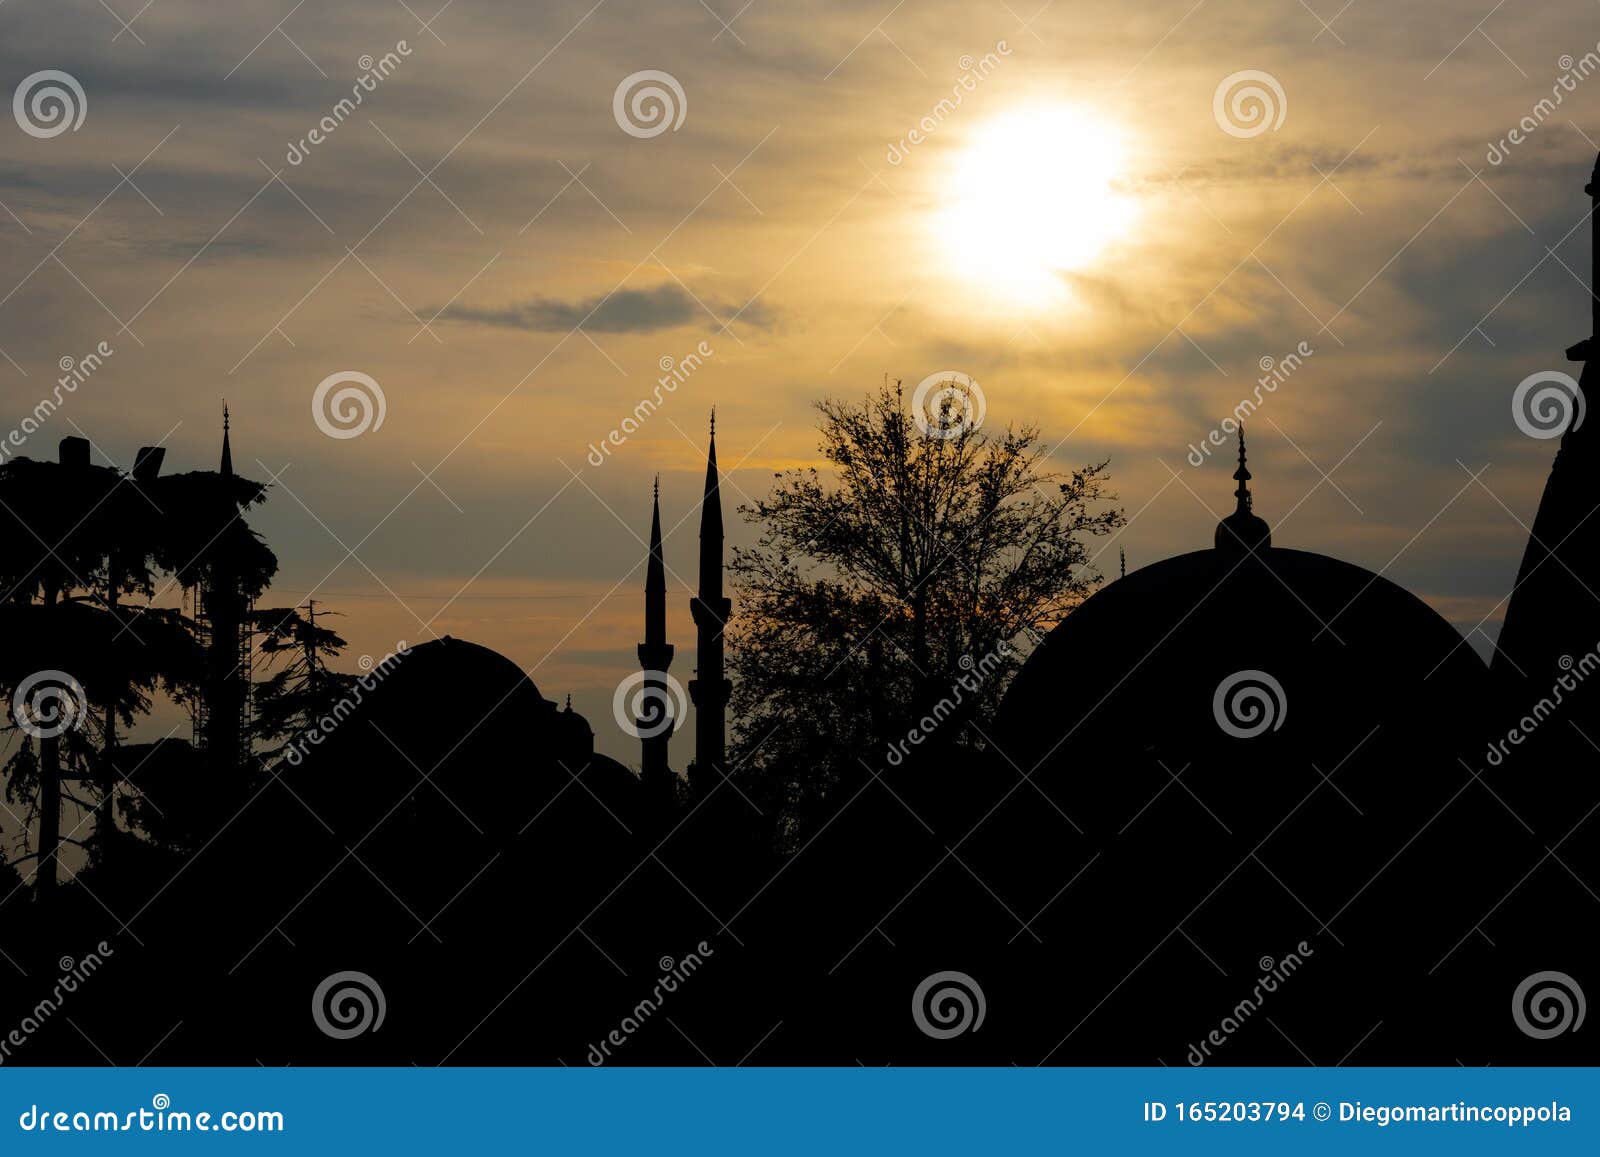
<point>1261,749</point>
<point>1139,665</point>
<point>1242,532</point>
<point>467,666</point>
<point>468,718</point>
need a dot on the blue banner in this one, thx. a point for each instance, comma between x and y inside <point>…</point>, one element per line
<point>806,1111</point>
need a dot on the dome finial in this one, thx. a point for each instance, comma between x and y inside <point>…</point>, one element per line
<point>1243,529</point>
<point>1243,476</point>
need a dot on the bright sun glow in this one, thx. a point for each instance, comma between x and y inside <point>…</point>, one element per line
<point>1033,196</point>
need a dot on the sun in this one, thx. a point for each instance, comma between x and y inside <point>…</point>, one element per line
<point>1032,197</point>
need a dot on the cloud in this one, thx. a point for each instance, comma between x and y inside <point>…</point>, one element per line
<point>624,311</point>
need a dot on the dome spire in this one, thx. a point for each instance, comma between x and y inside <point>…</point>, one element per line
<point>1243,476</point>
<point>1243,530</point>
<point>227,451</point>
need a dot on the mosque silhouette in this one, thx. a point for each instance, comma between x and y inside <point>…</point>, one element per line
<point>1246,805</point>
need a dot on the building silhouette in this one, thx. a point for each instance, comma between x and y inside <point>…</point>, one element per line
<point>1218,761</point>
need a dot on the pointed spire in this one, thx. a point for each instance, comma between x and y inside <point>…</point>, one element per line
<point>1243,476</point>
<point>1593,189</point>
<point>1243,530</point>
<point>655,656</point>
<point>655,581</point>
<point>711,523</point>
<point>227,451</point>
<point>710,608</point>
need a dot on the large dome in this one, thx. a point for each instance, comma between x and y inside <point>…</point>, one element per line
<point>1259,749</point>
<point>1327,649</point>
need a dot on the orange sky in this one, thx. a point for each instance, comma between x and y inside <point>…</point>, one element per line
<point>791,224</point>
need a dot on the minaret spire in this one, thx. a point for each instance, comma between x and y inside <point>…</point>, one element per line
<point>227,452</point>
<point>1242,475</point>
<point>1242,530</point>
<point>710,689</point>
<point>655,656</point>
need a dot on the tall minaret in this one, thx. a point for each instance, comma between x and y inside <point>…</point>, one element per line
<point>710,689</point>
<point>1552,617</point>
<point>655,656</point>
<point>227,663</point>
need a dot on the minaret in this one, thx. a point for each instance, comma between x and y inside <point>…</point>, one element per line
<point>1242,531</point>
<point>710,688</point>
<point>1552,616</point>
<point>655,656</point>
<point>227,656</point>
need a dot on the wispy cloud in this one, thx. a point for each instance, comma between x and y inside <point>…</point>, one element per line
<point>625,311</point>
